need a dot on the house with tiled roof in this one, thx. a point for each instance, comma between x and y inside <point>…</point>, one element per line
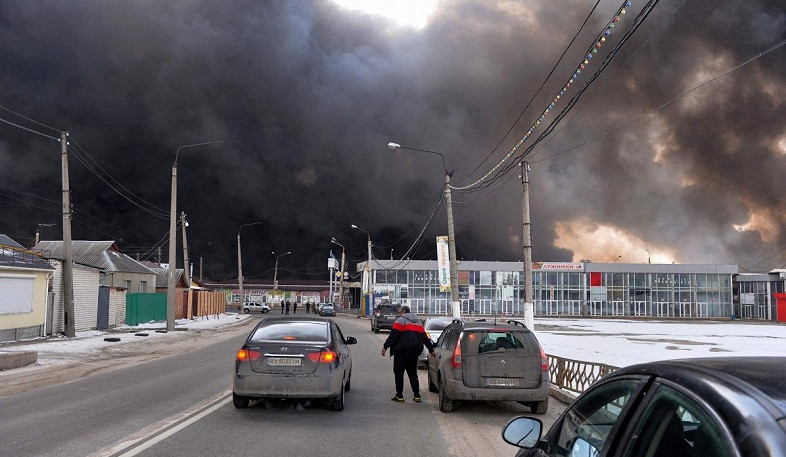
<point>24,291</point>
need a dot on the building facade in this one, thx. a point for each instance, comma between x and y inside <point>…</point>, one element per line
<point>580,289</point>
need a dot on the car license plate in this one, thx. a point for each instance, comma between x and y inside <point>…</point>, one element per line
<point>502,382</point>
<point>283,362</point>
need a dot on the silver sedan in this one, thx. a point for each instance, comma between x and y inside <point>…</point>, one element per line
<point>293,357</point>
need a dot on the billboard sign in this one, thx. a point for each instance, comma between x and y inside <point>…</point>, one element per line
<point>443,263</point>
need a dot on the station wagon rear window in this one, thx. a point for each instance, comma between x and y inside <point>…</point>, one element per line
<point>311,332</point>
<point>483,341</point>
<point>388,309</point>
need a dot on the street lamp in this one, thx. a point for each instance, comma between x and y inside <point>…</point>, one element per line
<point>170,288</point>
<point>369,288</point>
<point>275,273</point>
<point>240,268</point>
<point>618,257</point>
<point>454,297</point>
<point>341,280</point>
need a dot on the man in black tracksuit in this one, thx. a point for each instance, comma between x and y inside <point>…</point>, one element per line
<point>406,342</point>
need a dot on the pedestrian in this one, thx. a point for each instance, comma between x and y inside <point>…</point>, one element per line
<point>282,306</point>
<point>287,307</point>
<point>406,341</point>
<point>308,307</point>
<point>294,307</point>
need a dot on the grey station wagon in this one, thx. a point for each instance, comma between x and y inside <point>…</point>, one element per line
<point>490,361</point>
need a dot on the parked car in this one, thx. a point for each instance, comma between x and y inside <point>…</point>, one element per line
<point>383,317</point>
<point>434,327</point>
<point>713,407</point>
<point>327,310</point>
<point>254,307</point>
<point>491,361</point>
<point>293,357</point>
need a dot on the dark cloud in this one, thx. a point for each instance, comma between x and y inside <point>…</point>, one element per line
<point>306,95</point>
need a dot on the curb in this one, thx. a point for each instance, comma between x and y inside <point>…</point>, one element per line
<point>9,360</point>
<point>562,395</point>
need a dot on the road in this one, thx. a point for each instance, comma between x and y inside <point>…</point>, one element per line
<point>175,401</point>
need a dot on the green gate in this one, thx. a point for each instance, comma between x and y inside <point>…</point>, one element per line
<point>143,308</point>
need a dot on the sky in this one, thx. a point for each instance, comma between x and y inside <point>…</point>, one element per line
<point>616,342</point>
<point>673,153</point>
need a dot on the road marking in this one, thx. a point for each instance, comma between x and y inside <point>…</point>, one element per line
<point>164,429</point>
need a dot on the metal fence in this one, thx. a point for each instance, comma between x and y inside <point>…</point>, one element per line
<point>576,375</point>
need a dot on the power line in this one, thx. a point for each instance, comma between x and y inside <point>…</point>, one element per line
<point>592,51</point>
<point>521,114</point>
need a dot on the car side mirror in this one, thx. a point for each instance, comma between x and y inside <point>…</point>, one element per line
<point>523,432</point>
<point>583,448</point>
<point>351,340</point>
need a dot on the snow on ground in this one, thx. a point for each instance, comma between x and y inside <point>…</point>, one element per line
<point>58,350</point>
<point>617,342</point>
<point>625,342</point>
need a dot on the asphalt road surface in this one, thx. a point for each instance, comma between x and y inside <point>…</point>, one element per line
<point>174,399</point>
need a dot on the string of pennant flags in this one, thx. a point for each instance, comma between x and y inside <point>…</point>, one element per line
<point>586,61</point>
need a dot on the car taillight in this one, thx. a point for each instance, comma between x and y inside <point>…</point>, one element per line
<point>248,354</point>
<point>455,358</point>
<point>322,356</point>
<point>544,361</point>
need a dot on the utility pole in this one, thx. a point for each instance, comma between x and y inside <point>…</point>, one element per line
<point>68,267</point>
<point>341,271</point>
<point>186,264</point>
<point>369,286</point>
<point>239,276</point>
<point>200,268</point>
<point>454,287</point>
<point>170,288</point>
<point>341,280</point>
<point>529,317</point>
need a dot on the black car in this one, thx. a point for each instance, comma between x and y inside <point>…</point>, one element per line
<point>293,357</point>
<point>383,317</point>
<point>327,310</point>
<point>713,407</point>
<point>491,361</point>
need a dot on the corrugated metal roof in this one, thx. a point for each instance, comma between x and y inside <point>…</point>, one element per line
<point>100,254</point>
<point>162,278</point>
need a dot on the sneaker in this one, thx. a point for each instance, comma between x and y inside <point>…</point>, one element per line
<point>398,398</point>
<point>417,398</point>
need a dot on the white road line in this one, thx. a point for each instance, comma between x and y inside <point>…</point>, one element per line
<point>152,434</point>
<point>174,430</point>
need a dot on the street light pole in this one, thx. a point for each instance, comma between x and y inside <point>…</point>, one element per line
<point>367,270</point>
<point>170,288</point>
<point>275,273</point>
<point>341,280</point>
<point>240,268</point>
<point>454,295</point>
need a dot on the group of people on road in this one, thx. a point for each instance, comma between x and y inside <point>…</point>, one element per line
<point>286,305</point>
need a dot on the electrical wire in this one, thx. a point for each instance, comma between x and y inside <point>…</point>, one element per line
<point>94,167</point>
<point>496,170</point>
<point>537,92</point>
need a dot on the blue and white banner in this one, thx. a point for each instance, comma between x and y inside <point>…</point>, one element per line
<point>443,263</point>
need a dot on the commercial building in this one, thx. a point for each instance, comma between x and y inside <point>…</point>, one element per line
<point>582,289</point>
